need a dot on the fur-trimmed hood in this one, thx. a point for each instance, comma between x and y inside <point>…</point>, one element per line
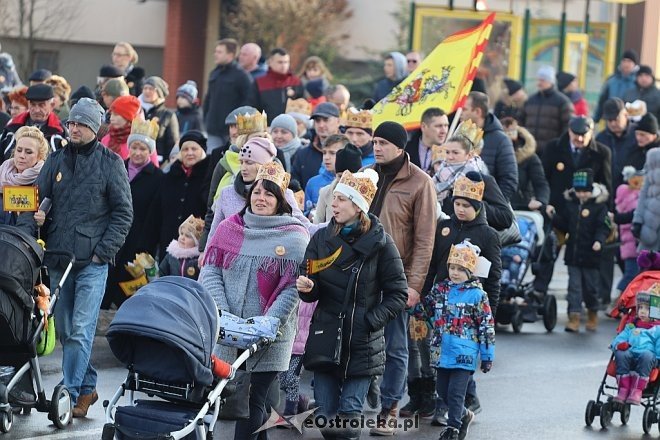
<point>528,147</point>
<point>600,193</point>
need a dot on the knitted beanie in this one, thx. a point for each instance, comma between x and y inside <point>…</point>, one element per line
<point>195,136</point>
<point>259,150</point>
<point>286,122</point>
<point>126,106</point>
<point>87,112</point>
<point>648,124</point>
<point>159,84</point>
<point>547,73</point>
<point>392,132</point>
<point>188,91</point>
<point>348,158</point>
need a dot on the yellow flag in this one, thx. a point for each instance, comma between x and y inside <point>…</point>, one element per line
<point>442,80</point>
<point>316,266</point>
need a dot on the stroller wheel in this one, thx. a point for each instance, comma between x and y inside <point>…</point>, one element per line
<point>549,312</point>
<point>648,418</point>
<point>61,412</point>
<point>625,414</point>
<point>6,420</point>
<point>590,413</point>
<point>605,415</point>
<point>517,320</point>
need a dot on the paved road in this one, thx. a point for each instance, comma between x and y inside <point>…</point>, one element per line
<point>538,389</point>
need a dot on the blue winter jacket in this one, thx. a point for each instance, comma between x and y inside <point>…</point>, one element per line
<point>314,185</point>
<point>462,322</point>
<point>640,339</point>
<point>615,86</point>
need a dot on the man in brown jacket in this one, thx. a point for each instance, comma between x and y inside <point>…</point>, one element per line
<point>405,203</point>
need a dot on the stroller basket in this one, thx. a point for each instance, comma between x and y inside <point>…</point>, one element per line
<point>153,386</point>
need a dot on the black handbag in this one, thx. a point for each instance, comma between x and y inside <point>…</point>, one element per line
<point>510,235</point>
<point>236,396</point>
<point>323,347</point>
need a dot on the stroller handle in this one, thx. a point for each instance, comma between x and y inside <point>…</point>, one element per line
<point>55,253</point>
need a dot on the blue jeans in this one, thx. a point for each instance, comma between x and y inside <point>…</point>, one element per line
<point>76,313</point>
<point>630,271</point>
<point>396,361</point>
<point>451,386</point>
<point>627,362</point>
<point>335,396</point>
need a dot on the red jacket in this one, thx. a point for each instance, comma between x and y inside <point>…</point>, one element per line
<point>272,92</point>
<point>53,131</point>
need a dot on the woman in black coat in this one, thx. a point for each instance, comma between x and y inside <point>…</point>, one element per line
<point>145,180</point>
<point>183,192</point>
<point>533,191</point>
<point>377,295</point>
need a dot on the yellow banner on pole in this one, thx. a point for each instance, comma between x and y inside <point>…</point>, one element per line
<point>442,80</point>
<point>20,198</point>
<point>316,266</point>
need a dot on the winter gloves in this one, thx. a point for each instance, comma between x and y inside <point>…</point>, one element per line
<point>486,366</point>
<point>623,346</point>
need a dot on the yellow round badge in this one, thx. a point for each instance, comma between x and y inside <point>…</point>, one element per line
<point>58,177</point>
<point>191,271</point>
<point>560,166</point>
<point>280,250</point>
<point>445,232</point>
<point>585,213</point>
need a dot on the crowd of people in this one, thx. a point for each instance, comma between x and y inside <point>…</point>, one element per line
<point>272,170</point>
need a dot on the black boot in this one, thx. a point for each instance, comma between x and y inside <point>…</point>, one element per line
<point>415,392</point>
<point>427,402</point>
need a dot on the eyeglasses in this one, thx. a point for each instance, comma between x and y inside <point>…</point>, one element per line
<point>412,61</point>
<point>74,124</point>
<point>117,54</point>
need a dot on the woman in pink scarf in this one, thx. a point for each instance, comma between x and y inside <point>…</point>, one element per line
<point>24,166</point>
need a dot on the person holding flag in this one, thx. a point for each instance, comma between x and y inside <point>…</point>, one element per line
<point>352,267</point>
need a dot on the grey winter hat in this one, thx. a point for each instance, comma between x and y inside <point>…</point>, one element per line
<point>188,91</point>
<point>159,84</point>
<point>286,122</point>
<point>547,73</point>
<point>87,112</point>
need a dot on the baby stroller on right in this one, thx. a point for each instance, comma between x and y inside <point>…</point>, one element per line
<point>605,405</point>
<point>537,243</point>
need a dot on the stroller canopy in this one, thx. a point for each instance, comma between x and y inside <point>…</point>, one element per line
<point>167,330</point>
<point>21,258</point>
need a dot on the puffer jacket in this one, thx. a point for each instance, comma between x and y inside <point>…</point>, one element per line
<point>621,148</point>
<point>546,115</point>
<point>305,314</point>
<point>92,206</point>
<point>531,179</point>
<point>626,201</point>
<point>380,293</point>
<point>463,324</point>
<point>454,231</point>
<point>498,156</point>
<point>585,224</point>
<point>640,339</point>
<point>648,207</point>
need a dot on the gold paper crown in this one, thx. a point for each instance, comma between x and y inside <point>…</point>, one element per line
<point>358,119</point>
<point>470,131</point>
<point>464,255</point>
<point>251,123</point>
<point>274,172</point>
<point>300,105</point>
<point>438,153</point>
<point>655,289</point>
<point>362,183</point>
<point>192,225</point>
<point>464,187</point>
<point>145,128</point>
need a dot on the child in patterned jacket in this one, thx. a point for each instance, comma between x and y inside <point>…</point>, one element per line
<point>458,311</point>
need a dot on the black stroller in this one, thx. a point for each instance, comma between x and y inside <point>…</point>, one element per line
<point>165,334</point>
<point>21,327</point>
<point>538,243</point>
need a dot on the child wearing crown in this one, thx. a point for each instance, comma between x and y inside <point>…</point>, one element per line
<point>584,219</point>
<point>182,254</point>
<point>458,311</point>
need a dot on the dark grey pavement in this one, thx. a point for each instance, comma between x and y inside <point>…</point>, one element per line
<point>538,389</point>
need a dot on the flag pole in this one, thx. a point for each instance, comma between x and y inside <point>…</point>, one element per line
<point>454,122</point>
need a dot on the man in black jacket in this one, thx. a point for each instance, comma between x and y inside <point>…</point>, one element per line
<point>433,130</point>
<point>229,88</point>
<point>497,152</point>
<point>90,217</point>
<point>618,136</point>
<point>574,150</point>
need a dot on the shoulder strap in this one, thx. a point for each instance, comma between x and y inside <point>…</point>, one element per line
<point>351,287</point>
